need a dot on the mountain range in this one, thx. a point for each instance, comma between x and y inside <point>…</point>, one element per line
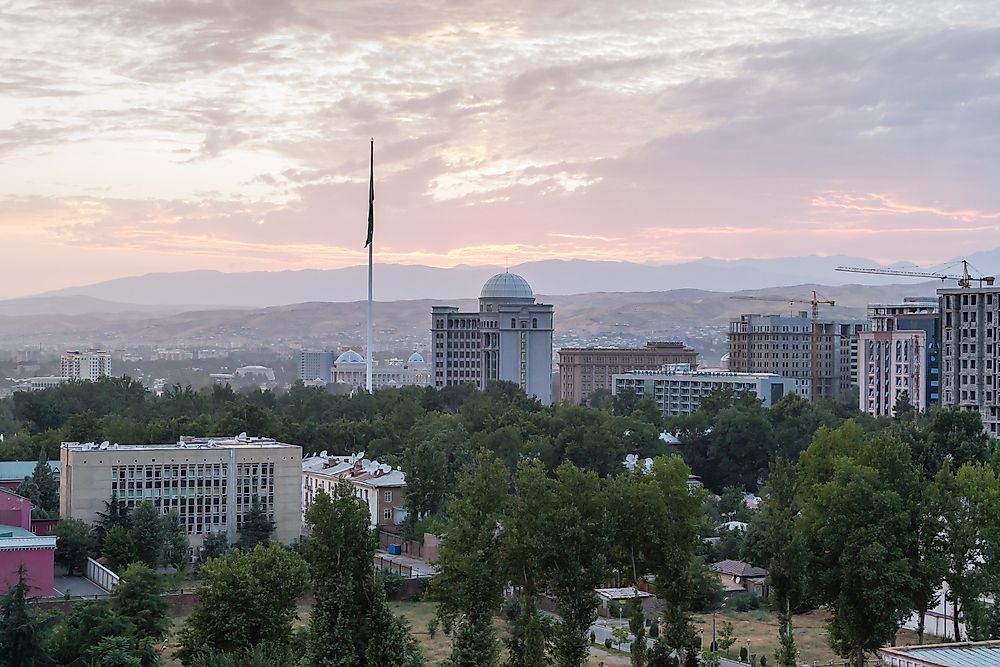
<point>188,290</point>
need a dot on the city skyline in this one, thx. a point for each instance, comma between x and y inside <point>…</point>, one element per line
<point>182,135</point>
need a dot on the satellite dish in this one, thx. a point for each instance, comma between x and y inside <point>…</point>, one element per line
<point>322,454</point>
<point>242,436</point>
<point>105,444</point>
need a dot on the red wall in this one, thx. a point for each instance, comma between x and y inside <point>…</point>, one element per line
<point>15,511</point>
<point>37,562</point>
<point>10,485</point>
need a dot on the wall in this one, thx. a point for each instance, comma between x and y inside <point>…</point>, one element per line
<point>15,510</point>
<point>38,564</point>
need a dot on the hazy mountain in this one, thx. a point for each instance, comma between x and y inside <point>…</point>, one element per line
<point>394,282</point>
<point>81,304</point>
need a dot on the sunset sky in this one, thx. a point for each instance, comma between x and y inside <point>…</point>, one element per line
<point>161,135</point>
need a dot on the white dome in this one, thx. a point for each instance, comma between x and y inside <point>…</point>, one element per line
<point>506,286</point>
<point>350,357</point>
<point>415,358</point>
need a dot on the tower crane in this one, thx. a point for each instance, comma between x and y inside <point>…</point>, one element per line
<point>964,280</point>
<point>814,302</point>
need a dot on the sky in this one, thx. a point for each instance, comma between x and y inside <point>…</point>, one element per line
<point>166,135</point>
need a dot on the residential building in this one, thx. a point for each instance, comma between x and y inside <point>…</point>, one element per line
<point>970,357</point>
<point>380,486</point>
<point>739,577</point>
<point>210,482</point>
<point>171,355</point>
<point>12,473</point>
<point>350,368</point>
<point>20,547</point>
<point>40,383</point>
<point>677,390</point>
<point>783,345</point>
<point>883,316</point>
<point>91,365</point>
<point>892,364</point>
<point>510,338</point>
<point>582,370</point>
<point>964,654</point>
<point>315,366</point>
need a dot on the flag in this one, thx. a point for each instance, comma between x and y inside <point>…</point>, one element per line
<point>371,199</point>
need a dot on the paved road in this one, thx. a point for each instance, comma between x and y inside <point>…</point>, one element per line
<point>77,587</point>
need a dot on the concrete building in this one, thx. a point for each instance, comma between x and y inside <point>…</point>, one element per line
<point>211,482</point>
<point>39,383</point>
<point>783,345</point>
<point>965,654</point>
<point>678,390</point>
<point>901,353</point>
<point>510,338</point>
<point>970,356</point>
<point>350,368</point>
<point>380,486</point>
<point>91,365</point>
<point>315,366</point>
<point>582,370</point>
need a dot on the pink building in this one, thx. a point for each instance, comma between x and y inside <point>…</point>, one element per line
<point>19,546</point>
<point>890,363</point>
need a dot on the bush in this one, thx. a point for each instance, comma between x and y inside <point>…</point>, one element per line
<point>393,583</point>
<point>744,654</point>
<point>745,602</point>
<point>593,637</point>
<point>763,661</point>
<point>607,643</point>
<point>654,629</point>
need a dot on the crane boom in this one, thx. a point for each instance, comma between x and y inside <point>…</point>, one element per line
<point>964,280</point>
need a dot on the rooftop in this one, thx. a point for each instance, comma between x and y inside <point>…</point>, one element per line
<point>15,532</point>
<point>241,441</point>
<point>507,286</point>
<point>738,568</point>
<point>686,372</point>
<point>13,537</point>
<point>15,471</point>
<point>969,654</point>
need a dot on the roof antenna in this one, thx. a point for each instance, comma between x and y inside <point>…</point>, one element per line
<point>506,264</point>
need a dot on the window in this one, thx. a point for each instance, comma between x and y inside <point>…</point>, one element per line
<point>387,496</point>
<point>387,514</point>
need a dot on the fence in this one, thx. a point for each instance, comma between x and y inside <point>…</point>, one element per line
<point>100,575</point>
<point>404,571</point>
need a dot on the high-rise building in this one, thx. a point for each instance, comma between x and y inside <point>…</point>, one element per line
<point>677,390</point>
<point>510,338</point>
<point>901,354</point>
<point>90,365</point>
<point>210,482</point>
<point>582,370</point>
<point>783,345</point>
<point>970,357</point>
<point>315,365</point>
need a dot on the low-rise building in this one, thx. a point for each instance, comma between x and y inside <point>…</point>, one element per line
<point>210,482</point>
<point>39,383</point>
<point>380,486</point>
<point>964,654</point>
<point>19,547</point>
<point>12,473</point>
<point>351,368</point>
<point>739,577</point>
<point>678,390</point>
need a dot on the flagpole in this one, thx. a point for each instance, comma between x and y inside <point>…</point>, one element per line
<point>371,244</point>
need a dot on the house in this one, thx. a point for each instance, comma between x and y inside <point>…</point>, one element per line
<point>380,486</point>
<point>965,654</point>
<point>20,547</point>
<point>739,577</point>
<point>610,598</point>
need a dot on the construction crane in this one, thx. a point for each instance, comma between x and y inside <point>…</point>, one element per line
<point>964,280</point>
<point>814,302</point>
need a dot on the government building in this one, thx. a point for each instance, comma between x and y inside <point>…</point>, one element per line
<point>211,482</point>
<point>510,338</point>
<point>583,370</point>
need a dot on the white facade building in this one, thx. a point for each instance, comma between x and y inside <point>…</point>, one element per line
<point>891,363</point>
<point>510,339</point>
<point>380,486</point>
<point>678,390</point>
<point>91,365</point>
<point>350,368</point>
<point>39,383</point>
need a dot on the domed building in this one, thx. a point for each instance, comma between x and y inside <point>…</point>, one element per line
<point>351,368</point>
<point>509,338</point>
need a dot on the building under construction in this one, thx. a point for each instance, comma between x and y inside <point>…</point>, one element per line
<point>785,345</point>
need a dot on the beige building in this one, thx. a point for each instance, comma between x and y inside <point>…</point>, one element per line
<point>970,357</point>
<point>380,486</point>
<point>211,482</point>
<point>585,369</point>
<point>91,365</point>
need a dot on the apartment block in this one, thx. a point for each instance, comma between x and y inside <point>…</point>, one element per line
<point>583,370</point>
<point>380,486</point>
<point>91,365</point>
<point>315,365</point>
<point>783,345</point>
<point>211,482</point>
<point>970,357</point>
<point>679,389</point>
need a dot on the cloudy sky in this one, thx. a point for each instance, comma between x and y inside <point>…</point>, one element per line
<point>157,135</point>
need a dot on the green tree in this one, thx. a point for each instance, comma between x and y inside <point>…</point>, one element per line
<point>214,546</point>
<point>84,627</point>
<point>244,599</point>
<point>28,488</point>
<point>48,487</point>
<point>149,534</point>
<point>74,545</point>
<point>138,597</point>
<point>727,637</point>
<point>176,545</point>
<point>119,548</point>
<point>469,584</point>
<point>389,641</point>
<point>339,552</point>
<point>23,630</point>
<point>257,527</point>
<point>122,651</point>
<point>115,513</point>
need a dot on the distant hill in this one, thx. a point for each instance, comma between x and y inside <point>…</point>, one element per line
<point>684,314</point>
<point>80,304</point>
<point>395,282</point>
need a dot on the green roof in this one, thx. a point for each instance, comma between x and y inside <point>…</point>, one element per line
<point>15,531</point>
<point>15,471</point>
